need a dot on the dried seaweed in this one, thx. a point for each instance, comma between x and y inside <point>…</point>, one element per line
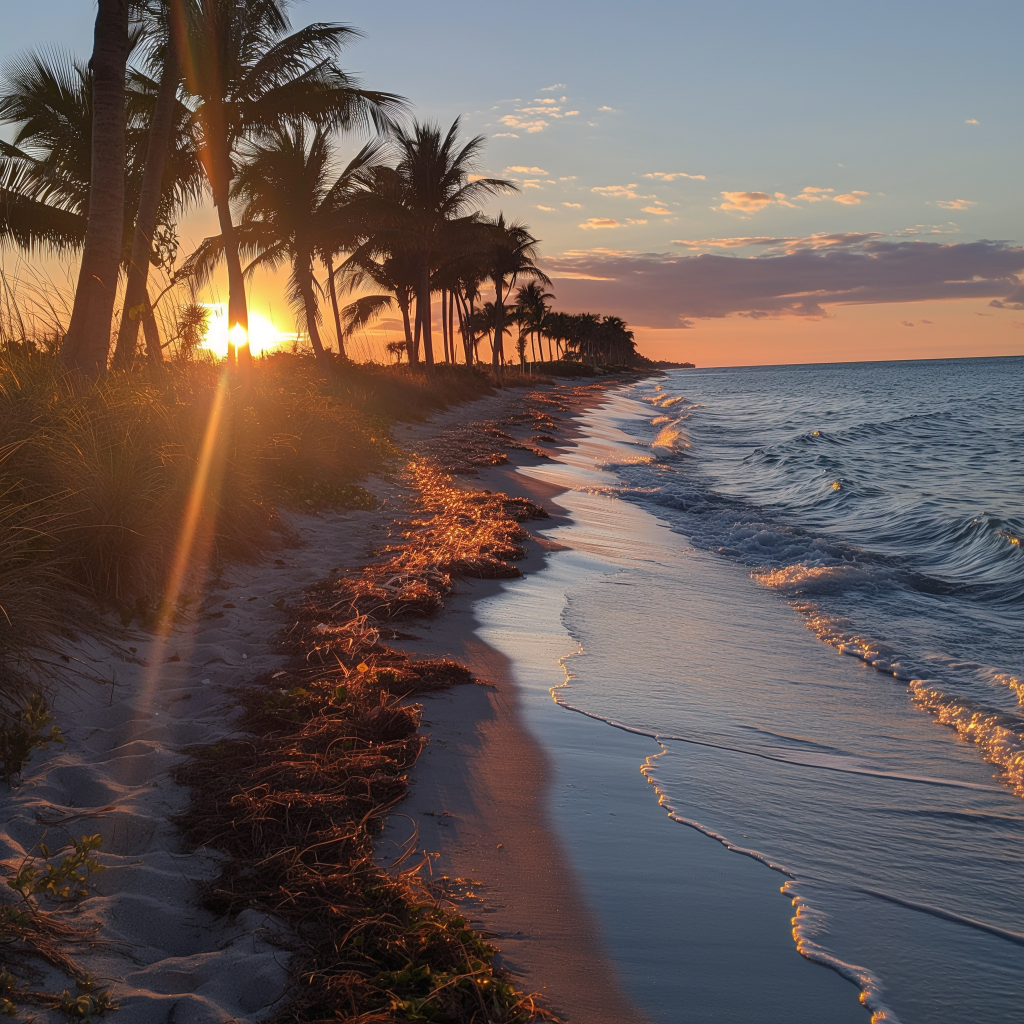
<point>328,745</point>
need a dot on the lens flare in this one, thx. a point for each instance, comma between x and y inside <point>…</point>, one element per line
<point>263,336</point>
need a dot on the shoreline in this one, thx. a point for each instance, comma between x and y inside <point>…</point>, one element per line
<point>138,702</point>
<point>480,792</point>
<point>683,921</point>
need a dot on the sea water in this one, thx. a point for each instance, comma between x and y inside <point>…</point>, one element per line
<point>791,599</point>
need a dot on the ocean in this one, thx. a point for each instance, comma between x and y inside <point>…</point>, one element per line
<point>782,648</point>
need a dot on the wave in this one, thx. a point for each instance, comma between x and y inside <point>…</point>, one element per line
<point>947,915</point>
<point>997,735</point>
<point>806,922</point>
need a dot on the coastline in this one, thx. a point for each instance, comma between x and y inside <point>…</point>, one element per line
<point>487,803</point>
<point>480,792</point>
<point>683,920</point>
<point>133,706</point>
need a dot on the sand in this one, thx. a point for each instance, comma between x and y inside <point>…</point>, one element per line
<point>128,714</point>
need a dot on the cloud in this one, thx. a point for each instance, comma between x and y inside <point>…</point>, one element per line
<point>745,202</point>
<point>956,204</point>
<point>725,243</point>
<point>515,121</point>
<point>571,113</point>
<point>753,202</point>
<point>574,206</point>
<point>907,323</point>
<point>778,246</point>
<point>630,220</point>
<point>971,120</point>
<point>659,210</point>
<point>552,88</point>
<point>571,177</point>
<point>506,135</point>
<point>803,280</point>
<point>612,109</point>
<point>617,191</point>
<point>928,229</point>
<point>662,176</point>
<point>519,169</point>
<point>546,209</point>
<point>601,222</point>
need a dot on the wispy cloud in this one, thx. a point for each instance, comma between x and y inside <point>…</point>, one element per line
<point>662,289</point>
<point>971,120</point>
<point>516,121</point>
<point>574,206</point>
<point>753,202</point>
<point>546,209</point>
<point>663,176</point>
<point>552,88</point>
<point>774,245</point>
<point>611,109</point>
<point>601,222</point>
<point>519,169</point>
<point>661,211</point>
<point>955,204</point>
<point>745,202</point>
<point>618,191</point>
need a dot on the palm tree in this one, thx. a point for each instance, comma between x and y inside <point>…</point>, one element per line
<point>290,210</point>
<point>532,303</point>
<point>88,339</point>
<point>161,132</point>
<point>511,256</point>
<point>427,203</point>
<point>250,79</point>
<point>44,174</point>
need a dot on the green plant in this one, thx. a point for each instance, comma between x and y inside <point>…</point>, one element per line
<point>64,880</point>
<point>87,1002</point>
<point>22,733</point>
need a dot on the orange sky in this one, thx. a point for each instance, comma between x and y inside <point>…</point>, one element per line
<point>959,328</point>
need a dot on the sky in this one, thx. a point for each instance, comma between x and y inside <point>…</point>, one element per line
<point>744,183</point>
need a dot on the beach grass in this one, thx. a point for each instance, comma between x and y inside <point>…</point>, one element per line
<point>96,478</point>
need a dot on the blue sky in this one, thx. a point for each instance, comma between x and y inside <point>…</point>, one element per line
<point>905,116</point>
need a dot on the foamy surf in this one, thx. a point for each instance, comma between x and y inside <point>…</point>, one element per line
<point>767,739</point>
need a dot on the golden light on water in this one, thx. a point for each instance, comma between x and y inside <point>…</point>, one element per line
<point>263,335</point>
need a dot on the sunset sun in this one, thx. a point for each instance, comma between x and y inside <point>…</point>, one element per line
<point>263,335</point>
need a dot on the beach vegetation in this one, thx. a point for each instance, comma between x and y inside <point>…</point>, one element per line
<point>29,728</point>
<point>129,474</point>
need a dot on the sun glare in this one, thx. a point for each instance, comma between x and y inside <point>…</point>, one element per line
<point>263,335</point>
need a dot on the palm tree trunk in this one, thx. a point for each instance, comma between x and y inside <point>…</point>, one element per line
<point>87,343</point>
<point>497,346</point>
<point>423,312</point>
<point>136,296</point>
<point>411,347</point>
<point>332,288</point>
<point>304,272</point>
<point>444,322</point>
<point>451,325</point>
<point>154,350</point>
<point>471,332</point>
<point>218,172</point>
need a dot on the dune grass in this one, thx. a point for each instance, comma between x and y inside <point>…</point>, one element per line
<point>95,479</point>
